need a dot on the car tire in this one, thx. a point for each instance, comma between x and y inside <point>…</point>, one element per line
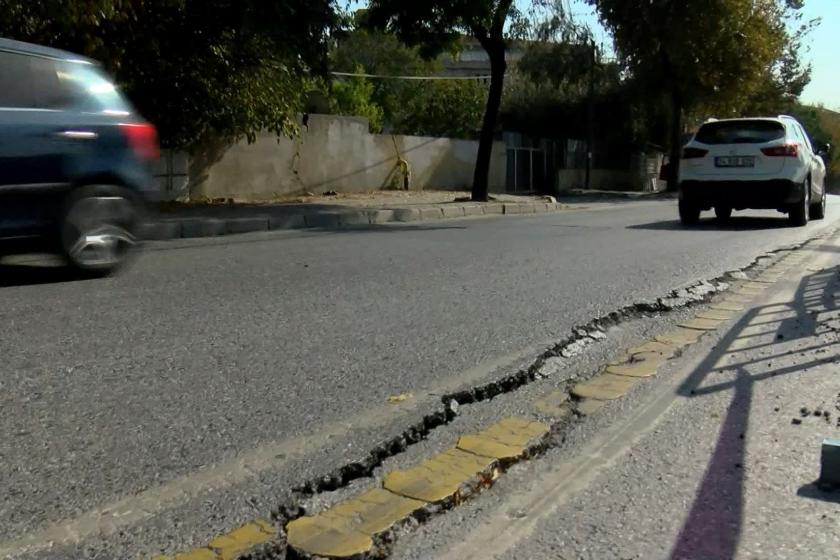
<point>798,215</point>
<point>98,228</point>
<point>817,211</point>
<point>689,214</point>
<point>723,213</point>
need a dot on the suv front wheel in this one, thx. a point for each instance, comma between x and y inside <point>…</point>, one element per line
<point>98,228</point>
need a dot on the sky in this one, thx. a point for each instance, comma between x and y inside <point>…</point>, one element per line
<point>821,50</point>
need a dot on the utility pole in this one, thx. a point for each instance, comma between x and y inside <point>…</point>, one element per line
<point>590,115</point>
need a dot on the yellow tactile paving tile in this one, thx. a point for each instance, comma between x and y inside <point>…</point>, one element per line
<point>639,365</point>
<point>716,314</point>
<point>604,387</point>
<point>232,545</point>
<point>680,337</point>
<point>507,439</point>
<point>330,538</point>
<point>554,405</point>
<point>588,407</point>
<point>654,346</point>
<point>728,306</point>
<point>438,478</point>
<point>373,512</point>
<point>198,554</point>
<point>749,292</point>
<point>739,298</point>
<point>760,286</point>
<point>702,324</point>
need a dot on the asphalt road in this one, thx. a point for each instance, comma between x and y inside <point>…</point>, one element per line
<point>271,346</point>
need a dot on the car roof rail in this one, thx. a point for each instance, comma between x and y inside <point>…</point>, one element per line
<point>787,117</point>
<point>711,119</point>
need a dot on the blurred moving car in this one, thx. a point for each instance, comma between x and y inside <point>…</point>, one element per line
<point>768,163</point>
<point>75,159</point>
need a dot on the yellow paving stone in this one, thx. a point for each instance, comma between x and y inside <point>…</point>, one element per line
<point>680,337</point>
<point>728,306</point>
<point>197,554</point>
<point>554,404</point>
<point>654,346</point>
<point>716,314</point>
<point>438,478</point>
<point>761,286</point>
<point>751,292</point>
<point>604,387</point>
<point>374,511</point>
<point>507,439</point>
<point>740,298</point>
<point>233,544</point>
<point>588,407</point>
<point>767,278</point>
<point>641,365</point>
<point>702,324</point>
<point>326,537</point>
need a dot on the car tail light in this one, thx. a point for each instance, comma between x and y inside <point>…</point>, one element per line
<point>694,153</point>
<point>142,139</point>
<point>791,149</point>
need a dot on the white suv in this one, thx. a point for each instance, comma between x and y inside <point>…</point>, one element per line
<point>769,163</point>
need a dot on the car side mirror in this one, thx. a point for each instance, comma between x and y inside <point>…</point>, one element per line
<point>824,152</point>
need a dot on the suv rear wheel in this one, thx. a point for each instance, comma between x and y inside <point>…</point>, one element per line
<point>798,215</point>
<point>689,214</point>
<point>818,210</point>
<point>98,228</point>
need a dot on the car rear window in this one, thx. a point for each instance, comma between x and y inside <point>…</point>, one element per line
<point>740,132</point>
<point>34,82</point>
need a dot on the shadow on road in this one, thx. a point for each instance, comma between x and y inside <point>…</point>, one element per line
<point>715,520</point>
<point>31,275</point>
<point>736,223</point>
<point>272,236</point>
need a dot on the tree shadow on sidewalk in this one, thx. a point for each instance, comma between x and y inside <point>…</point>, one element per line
<point>715,520</point>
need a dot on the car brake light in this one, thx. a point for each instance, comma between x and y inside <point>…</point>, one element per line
<point>694,153</point>
<point>142,139</point>
<point>791,149</point>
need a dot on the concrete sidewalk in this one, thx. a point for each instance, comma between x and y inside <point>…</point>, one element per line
<point>182,221</point>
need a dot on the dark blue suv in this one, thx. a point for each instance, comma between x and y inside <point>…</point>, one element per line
<point>75,159</point>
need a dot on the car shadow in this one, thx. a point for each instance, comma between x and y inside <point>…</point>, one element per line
<point>33,275</point>
<point>736,223</point>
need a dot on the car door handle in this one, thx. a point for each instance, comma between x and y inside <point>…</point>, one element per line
<point>77,135</point>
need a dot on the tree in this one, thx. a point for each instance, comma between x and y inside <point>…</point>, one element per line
<point>354,97</point>
<point>221,69</point>
<point>699,52</point>
<point>451,109</point>
<point>435,25</point>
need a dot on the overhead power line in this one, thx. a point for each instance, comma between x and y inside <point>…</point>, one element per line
<point>382,77</point>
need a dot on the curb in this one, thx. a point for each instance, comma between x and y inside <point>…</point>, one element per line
<point>617,195</point>
<point>191,228</point>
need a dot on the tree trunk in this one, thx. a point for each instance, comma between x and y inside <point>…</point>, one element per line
<point>676,140</point>
<point>498,66</point>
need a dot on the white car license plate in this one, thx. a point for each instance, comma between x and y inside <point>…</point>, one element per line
<point>735,161</point>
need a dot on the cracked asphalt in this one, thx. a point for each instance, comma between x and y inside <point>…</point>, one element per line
<point>191,392</point>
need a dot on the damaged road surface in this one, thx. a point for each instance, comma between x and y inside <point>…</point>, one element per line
<point>225,384</point>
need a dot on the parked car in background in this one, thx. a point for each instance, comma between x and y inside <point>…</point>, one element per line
<point>759,163</point>
<point>75,159</point>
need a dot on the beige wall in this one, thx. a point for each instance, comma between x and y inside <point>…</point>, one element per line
<point>339,154</point>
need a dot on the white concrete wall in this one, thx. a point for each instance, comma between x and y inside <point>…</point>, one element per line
<point>339,154</point>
